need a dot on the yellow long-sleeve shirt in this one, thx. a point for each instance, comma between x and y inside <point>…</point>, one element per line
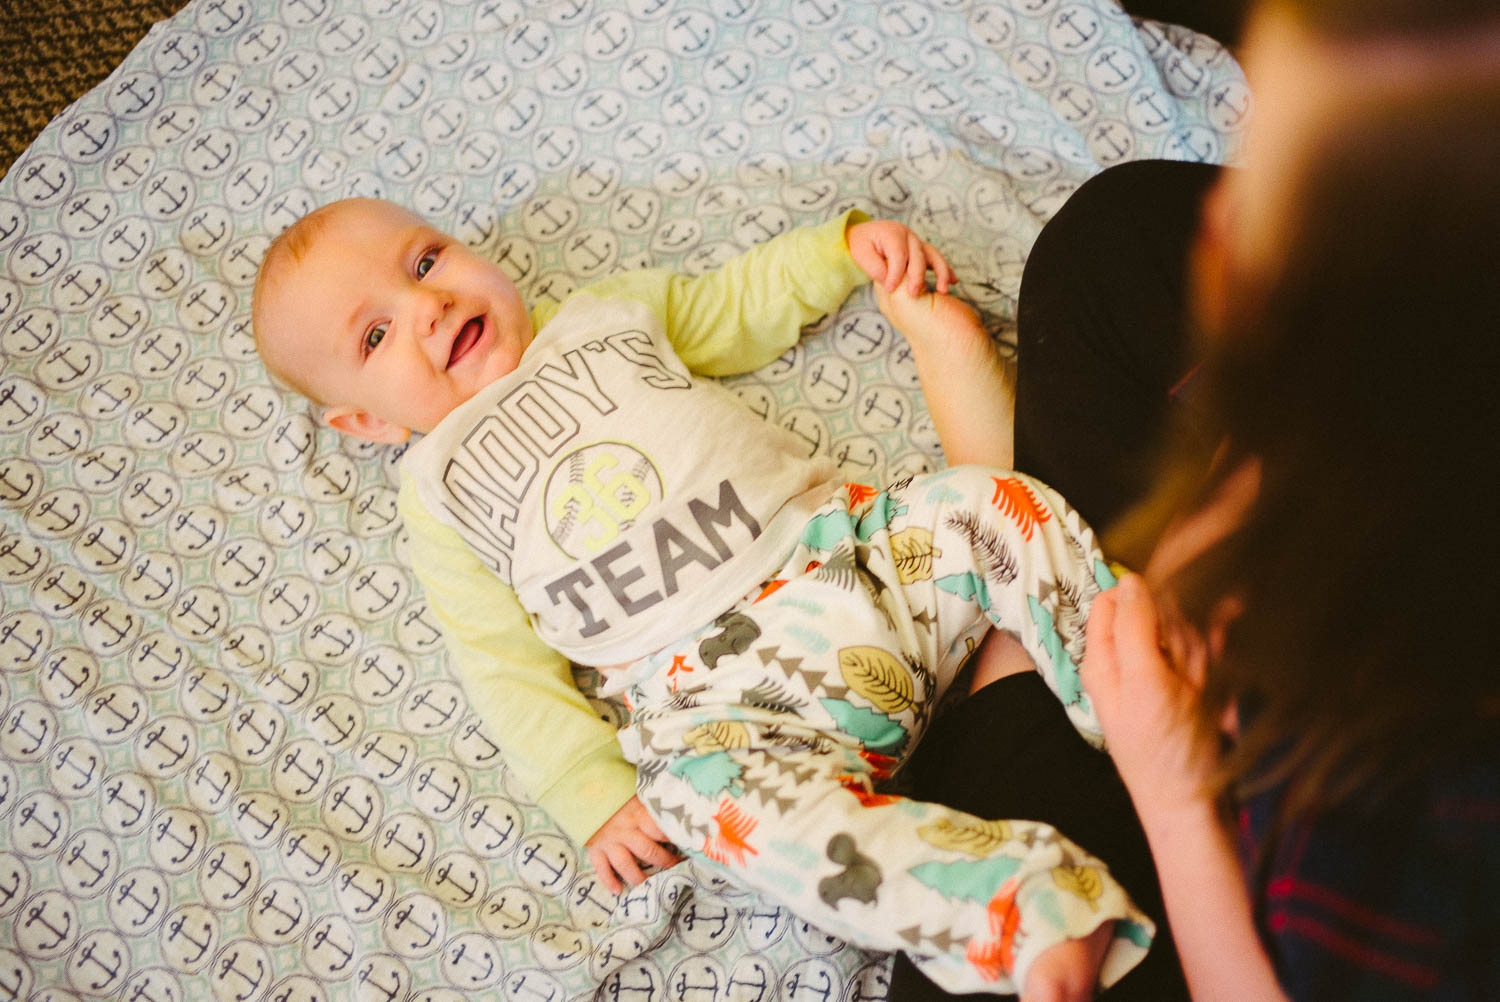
<point>729,321</point>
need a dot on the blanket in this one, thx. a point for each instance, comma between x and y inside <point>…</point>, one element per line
<point>234,762</point>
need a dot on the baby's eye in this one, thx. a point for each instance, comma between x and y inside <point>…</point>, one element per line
<point>425,263</point>
<point>373,337</point>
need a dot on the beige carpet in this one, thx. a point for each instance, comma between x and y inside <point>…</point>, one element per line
<point>53,51</point>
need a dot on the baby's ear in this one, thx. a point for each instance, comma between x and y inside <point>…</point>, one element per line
<point>363,424</point>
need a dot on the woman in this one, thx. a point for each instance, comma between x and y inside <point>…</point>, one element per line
<point>1317,607</point>
<point>1292,255</point>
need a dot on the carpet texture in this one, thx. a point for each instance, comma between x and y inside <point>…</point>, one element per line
<point>53,51</point>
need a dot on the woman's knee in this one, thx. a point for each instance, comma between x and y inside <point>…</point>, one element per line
<point>1115,231</point>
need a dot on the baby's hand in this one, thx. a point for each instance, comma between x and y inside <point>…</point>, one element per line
<point>888,252</point>
<point>1068,971</point>
<point>628,839</point>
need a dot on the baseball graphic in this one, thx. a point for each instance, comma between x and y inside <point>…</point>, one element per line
<point>595,493</point>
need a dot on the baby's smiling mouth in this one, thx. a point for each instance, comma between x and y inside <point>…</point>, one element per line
<point>467,338</point>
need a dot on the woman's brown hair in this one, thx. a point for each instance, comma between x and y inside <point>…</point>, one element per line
<point>1365,382</point>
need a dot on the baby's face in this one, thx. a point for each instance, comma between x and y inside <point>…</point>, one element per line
<point>390,322</point>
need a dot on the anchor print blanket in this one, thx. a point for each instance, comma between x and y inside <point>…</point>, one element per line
<point>234,762</point>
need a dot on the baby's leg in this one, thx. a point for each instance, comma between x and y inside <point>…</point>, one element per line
<point>974,547</point>
<point>967,380</point>
<point>767,761</point>
<point>998,656</point>
<point>1068,971</point>
<point>788,811</point>
<point>1008,547</point>
<point>1057,778</point>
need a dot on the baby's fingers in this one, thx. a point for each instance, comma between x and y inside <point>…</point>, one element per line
<point>916,264</point>
<point>652,830</point>
<point>942,272</point>
<point>604,869</point>
<point>624,862</point>
<point>896,254</point>
<point>922,257</point>
<point>654,853</point>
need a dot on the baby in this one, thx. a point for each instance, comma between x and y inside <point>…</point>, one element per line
<point>581,493</point>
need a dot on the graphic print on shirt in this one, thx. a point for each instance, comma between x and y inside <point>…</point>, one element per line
<point>616,493</point>
<point>595,493</point>
<point>497,462</point>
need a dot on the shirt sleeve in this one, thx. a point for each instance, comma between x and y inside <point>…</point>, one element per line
<point>554,742</point>
<point>748,312</point>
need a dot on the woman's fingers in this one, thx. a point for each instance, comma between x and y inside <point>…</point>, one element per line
<point>1100,665</point>
<point>1134,625</point>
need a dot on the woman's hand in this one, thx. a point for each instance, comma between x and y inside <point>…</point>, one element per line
<point>1150,707</point>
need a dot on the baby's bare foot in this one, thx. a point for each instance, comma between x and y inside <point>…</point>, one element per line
<point>967,382</point>
<point>928,315</point>
<point>1068,971</point>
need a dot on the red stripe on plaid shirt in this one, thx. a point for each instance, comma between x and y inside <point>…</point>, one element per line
<point>1337,904</point>
<point>1416,975</point>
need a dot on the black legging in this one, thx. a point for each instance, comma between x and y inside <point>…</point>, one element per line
<point>1220,19</point>
<point>1101,330</point>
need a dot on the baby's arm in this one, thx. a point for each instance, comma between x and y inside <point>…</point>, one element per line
<point>750,310</point>
<point>550,737</point>
<point>744,314</point>
<point>969,387</point>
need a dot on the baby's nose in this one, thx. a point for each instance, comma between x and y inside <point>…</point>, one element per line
<point>434,304</point>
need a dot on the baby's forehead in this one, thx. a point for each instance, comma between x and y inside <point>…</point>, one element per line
<point>375,210</point>
<point>356,218</point>
<point>356,228</point>
<point>335,231</point>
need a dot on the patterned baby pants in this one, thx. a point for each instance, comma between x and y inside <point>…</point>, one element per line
<point>760,740</point>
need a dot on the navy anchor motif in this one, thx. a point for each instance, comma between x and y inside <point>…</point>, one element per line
<point>217,670</point>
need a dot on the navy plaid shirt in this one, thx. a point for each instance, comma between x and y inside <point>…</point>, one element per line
<point>1399,901</point>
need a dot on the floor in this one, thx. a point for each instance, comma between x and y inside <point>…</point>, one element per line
<point>52,52</point>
